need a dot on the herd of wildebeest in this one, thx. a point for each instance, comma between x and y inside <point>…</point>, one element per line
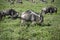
<point>28,15</point>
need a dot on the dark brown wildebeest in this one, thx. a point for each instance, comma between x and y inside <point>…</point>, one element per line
<point>11,13</point>
<point>30,16</point>
<point>50,10</point>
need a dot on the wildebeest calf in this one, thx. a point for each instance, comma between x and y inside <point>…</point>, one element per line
<point>30,16</point>
<point>50,10</point>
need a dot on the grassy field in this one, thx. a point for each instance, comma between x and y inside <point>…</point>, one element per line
<point>12,30</point>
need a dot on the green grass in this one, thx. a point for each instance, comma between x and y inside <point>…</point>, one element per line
<point>12,30</point>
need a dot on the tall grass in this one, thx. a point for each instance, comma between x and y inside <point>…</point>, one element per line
<point>12,30</point>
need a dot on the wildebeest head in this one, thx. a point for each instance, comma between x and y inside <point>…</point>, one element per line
<point>13,13</point>
<point>31,16</point>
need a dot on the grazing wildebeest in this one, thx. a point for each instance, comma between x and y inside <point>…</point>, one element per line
<point>19,1</point>
<point>11,13</point>
<point>50,10</point>
<point>30,16</point>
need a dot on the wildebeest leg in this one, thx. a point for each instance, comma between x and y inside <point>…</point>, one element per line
<point>11,16</point>
<point>43,12</point>
<point>55,11</point>
<point>32,19</point>
<point>0,18</point>
<point>23,22</point>
<point>41,19</point>
<point>33,22</point>
<point>51,11</point>
<point>33,1</point>
<point>12,1</point>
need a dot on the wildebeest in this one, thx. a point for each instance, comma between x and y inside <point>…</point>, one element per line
<point>30,16</point>
<point>49,9</point>
<point>11,13</point>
